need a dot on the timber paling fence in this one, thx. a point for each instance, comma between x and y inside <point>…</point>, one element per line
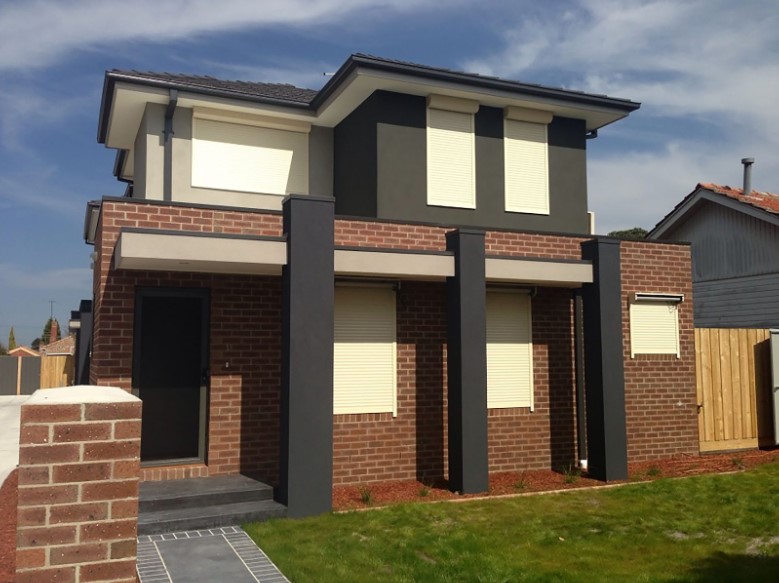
<point>23,375</point>
<point>733,371</point>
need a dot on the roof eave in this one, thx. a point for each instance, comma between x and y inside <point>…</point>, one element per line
<point>113,77</point>
<point>354,62</point>
<point>684,209</point>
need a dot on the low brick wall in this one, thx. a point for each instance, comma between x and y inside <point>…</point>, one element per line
<point>8,529</point>
<point>79,461</point>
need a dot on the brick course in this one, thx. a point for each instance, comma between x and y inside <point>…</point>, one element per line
<point>246,330</point>
<point>66,529</point>
<point>660,394</point>
<point>8,525</point>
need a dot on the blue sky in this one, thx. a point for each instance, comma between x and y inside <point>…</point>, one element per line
<point>706,71</point>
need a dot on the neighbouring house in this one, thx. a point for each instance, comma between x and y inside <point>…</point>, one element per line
<point>23,351</point>
<point>735,254</point>
<point>390,278</point>
<point>62,347</point>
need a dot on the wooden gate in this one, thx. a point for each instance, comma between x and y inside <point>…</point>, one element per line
<point>734,388</point>
<point>57,371</point>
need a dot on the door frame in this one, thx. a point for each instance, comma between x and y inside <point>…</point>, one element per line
<point>204,294</point>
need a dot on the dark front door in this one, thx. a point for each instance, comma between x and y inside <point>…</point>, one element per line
<point>170,373</point>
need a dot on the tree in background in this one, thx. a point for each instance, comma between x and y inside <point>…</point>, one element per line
<point>3,349</point>
<point>634,234</point>
<point>35,344</point>
<point>46,336</point>
<point>11,339</point>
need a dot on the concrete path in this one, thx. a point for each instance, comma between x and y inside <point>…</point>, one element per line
<point>219,554</point>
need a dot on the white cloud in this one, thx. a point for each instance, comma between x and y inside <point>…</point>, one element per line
<point>706,71</point>
<point>41,32</point>
<point>637,189</point>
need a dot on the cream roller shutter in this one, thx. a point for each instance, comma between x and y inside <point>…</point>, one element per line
<point>509,351</point>
<point>526,167</point>
<point>229,156</point>
<point>451,176</point>
<point>365,361</point>
<point>654,328</point>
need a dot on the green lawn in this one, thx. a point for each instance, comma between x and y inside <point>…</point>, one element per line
<point>706,528</point>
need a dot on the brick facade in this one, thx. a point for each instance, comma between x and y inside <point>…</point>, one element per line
<point>78,486</point>
<point>245,336</point>
<point>8,493</point>
<point>660,397</point>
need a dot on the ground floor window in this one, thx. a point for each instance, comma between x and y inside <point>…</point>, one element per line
<point>509,350</point>
<point>364,371</point>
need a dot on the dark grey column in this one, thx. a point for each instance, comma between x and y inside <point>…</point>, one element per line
<point>306,480</point>
<point>604,369</point>
<point>84,342</point>
<point>467,363</point>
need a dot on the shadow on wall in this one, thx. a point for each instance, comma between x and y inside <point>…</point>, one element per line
<point>764,397</point>
<point>552,327</point>
<point>422,326</point>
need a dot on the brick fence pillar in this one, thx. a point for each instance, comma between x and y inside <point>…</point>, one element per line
<point>79,461</point>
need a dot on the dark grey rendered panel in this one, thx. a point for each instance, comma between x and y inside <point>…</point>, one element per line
<point>84,343</point>
<point>9,372</point>
<point>400,185</point>
<point>741,302</point>
<point>306,476</point>
<point>467,363</point>
<point>31,375</point>
<point>354,162</point>
<point>604,366</point>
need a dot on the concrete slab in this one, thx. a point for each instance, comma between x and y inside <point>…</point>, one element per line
<point>218,554</point>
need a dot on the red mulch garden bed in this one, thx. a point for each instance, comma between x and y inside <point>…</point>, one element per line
<point>384,493</point>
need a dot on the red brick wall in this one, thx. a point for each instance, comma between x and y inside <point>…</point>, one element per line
<point>412,445</point>
<point>245,335</point>
<point>660,398</point>
<point>78,491</point>
<point>8,492</point>
<point>520,439</point>
<point>350,233</point>
<point>532,245</point>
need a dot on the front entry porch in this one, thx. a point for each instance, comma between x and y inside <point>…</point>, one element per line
<point>203,503</point>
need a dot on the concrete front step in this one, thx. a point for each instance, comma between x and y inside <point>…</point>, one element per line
<point>198,492</point>
<point>201,503</point>
<point>212,516</point>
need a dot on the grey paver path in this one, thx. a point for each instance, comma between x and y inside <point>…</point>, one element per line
<point>219,554</point>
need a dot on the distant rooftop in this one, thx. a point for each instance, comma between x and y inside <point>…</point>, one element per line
<point>767,201</point>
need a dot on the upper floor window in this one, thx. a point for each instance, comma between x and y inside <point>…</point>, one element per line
<point>526,162</point>
<point>451,152</point>
<point>249,154</point>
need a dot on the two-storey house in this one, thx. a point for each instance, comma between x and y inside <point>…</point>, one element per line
<point>390,278</point>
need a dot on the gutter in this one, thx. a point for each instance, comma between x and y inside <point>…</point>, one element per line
<point>367,62</point>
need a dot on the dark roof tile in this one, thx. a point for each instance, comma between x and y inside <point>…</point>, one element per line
<point>280,91</point>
